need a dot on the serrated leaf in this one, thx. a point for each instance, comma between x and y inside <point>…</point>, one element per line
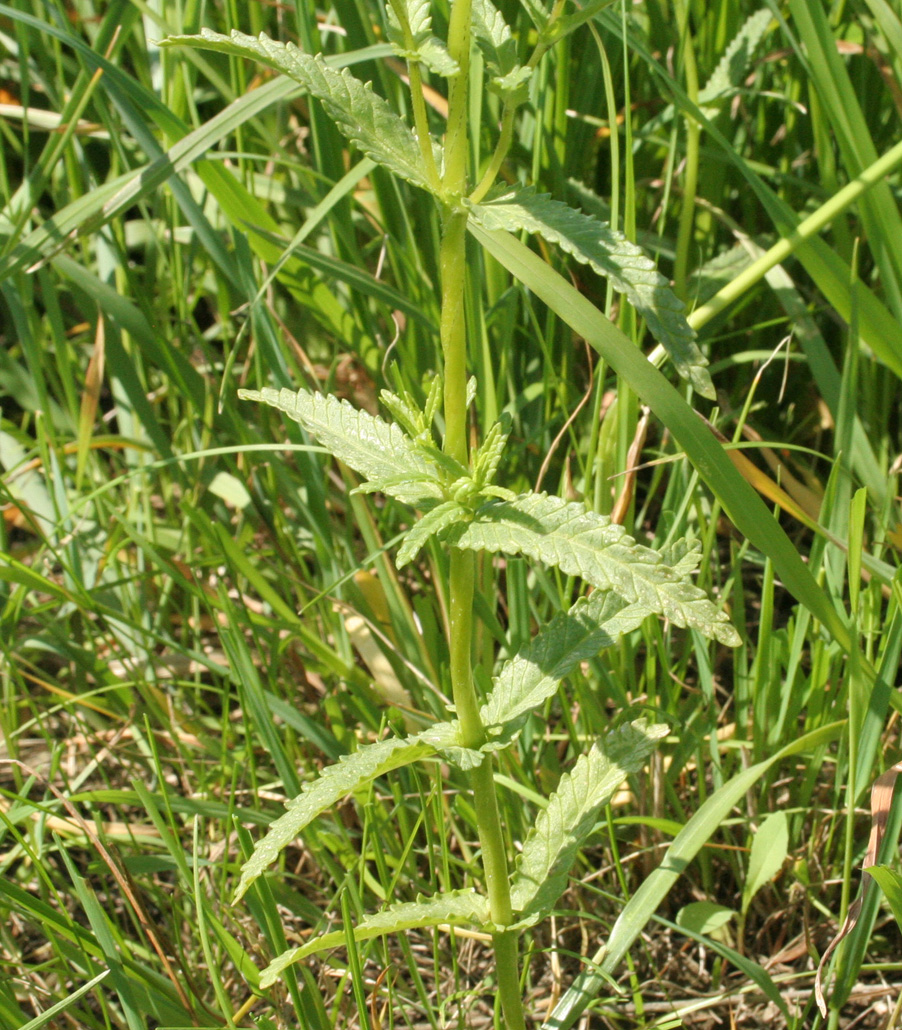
<point>532,676</point>
<point>431,524</point>
<point>493,37</point>
<point>499,51</point>
<point>375,449</point>
<point>769,849</point>
<point>403,411</point>
<point>721,269</point>
<point>350,773</point>
<point>732,67</point>
<point>456,908</point>
<point>445,738</point>
<point>551,845</point>
<point>513,87</point>
<point>583,543</point>
<point>488,456</point>
<point>682,556</point>
<point>433,400</point>
<point>612,255</point>
<point>361,115</point>
<point>421,45</point>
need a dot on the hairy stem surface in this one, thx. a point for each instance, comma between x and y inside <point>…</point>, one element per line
<point>463,564</point>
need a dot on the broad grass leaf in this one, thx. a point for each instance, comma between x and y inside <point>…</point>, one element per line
<point>360,114</point>
<point>769,849</point>
<point>742,504</point>
<point>422,45</point>
<point>629,270</point>
<point>757,974</point>
<point>336,781</point>
<point>583,543</point>
<point>532,676</point>
<point>685,846</point>
<point>374,448</point>
<point>550,847</point>
<point>704,917</point>
<point>456,908</point>
<point>890,882</point>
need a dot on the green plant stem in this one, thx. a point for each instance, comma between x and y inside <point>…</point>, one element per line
<point>503,146</point>
<point>421,122</point>
<point>453,330</point>
<point>417,100</point>
<point>456,144</point>
<point>462,573</point>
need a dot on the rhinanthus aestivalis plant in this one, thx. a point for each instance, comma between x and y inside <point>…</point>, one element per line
<point>453,488</point>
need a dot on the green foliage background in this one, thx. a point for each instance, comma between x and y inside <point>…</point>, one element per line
<point>195,619</point>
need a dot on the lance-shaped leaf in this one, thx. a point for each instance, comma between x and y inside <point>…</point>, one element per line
<point>532,676</point>
<point>499,50</point>
<point>611,254</point>
<point>376,449</point>
<point>359,113</point>
<point>420,45</point>
<point>488,455</point>
<point>551,845</point>
<point>583,543</point>
<point>456,908</point>
<point>431,524</point>
<point>732,68</point>
<point>350,773</point>
<point>734,64</point>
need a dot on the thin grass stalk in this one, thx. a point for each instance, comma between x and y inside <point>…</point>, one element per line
<point>690,178</point>
<point>807,228</point>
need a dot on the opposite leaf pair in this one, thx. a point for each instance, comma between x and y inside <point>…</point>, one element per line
<point>368,121</point>
<point>632,582</point>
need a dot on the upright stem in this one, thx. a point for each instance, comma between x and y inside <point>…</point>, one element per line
<point>463,563</point>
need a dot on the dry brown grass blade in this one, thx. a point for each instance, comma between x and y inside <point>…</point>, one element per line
<point>90,399</point>
<point>622,504</point>
<point>881,801</point>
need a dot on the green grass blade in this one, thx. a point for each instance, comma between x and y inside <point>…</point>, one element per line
<point>741,503</point>
<point>685,846</point>
<point>60,1007</point>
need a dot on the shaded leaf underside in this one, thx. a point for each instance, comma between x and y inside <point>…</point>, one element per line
<point>350,773</point>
